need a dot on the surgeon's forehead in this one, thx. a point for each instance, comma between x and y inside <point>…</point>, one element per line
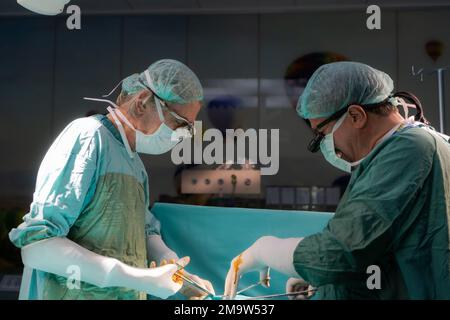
<point>188,111</point>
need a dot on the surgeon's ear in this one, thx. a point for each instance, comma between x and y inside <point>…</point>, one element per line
<point>358,116</point>
<point>141,104</point>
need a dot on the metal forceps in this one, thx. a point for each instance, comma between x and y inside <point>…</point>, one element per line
<point>192,282</point>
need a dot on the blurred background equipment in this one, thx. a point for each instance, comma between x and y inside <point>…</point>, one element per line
<point>306,198</point>
<point>434,49</point>
<point>222,112</point>
<point>301,69</point>
<point>440,75</point>
<point>10,259</point>
<point>222,181</point>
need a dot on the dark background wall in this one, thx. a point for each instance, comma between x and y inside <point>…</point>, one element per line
<point>46,70</point>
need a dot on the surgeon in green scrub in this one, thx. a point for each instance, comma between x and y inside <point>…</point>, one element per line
<point>396,209</point>
<point>89,233</point>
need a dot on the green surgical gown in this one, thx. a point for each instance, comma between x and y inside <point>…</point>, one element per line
<point>394,214</point>
<point>89,190</point>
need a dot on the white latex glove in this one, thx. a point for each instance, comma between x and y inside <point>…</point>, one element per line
<point>267,252</point>
<point>158,251</point>
<point>296,285</point>
<point>56,255</point>
<point>193,293</point>
<point>188,290</point>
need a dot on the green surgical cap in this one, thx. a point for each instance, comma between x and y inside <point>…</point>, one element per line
<point>171,80</point>
<point>336,85</point>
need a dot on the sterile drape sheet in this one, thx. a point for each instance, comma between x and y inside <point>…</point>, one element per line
<point>213,236</point>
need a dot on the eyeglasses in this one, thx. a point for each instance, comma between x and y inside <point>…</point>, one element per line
<point>314,144</point>
<point>181,121</point>
<point>161,104</point>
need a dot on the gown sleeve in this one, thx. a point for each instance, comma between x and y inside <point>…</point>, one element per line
<point>366,223</point>
<point>65,182</point>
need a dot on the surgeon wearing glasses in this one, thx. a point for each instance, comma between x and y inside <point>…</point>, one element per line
<point>394,215</point>
<point>89,233</point>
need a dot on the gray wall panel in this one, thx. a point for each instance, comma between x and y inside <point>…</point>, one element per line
<point>26,64</point>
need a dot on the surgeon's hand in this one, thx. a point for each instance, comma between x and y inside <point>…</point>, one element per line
<point>245,262</point>
<point>187,290</point>
<point>266,253</point>
<point>168,283</point>
<point>296,285</point>
<point>193,293</point>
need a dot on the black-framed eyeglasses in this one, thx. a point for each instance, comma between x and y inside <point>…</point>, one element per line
<point>314,144</point>
<point>179,119</point>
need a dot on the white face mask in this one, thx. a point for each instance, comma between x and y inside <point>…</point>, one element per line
<point>329,152</point>
<point>159,142</point>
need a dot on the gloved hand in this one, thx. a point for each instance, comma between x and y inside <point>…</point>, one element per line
<point>160,282</point>
<point>158,251</point>
<point>243,263</point>
<point>187,290</point>
<point>267,252</point>
<point>296,285</point>
<point>55,255</point>
<point>193,293</point>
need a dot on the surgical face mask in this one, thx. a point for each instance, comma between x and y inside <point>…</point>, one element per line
<point>329,152</point>
<point>159,142</point>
